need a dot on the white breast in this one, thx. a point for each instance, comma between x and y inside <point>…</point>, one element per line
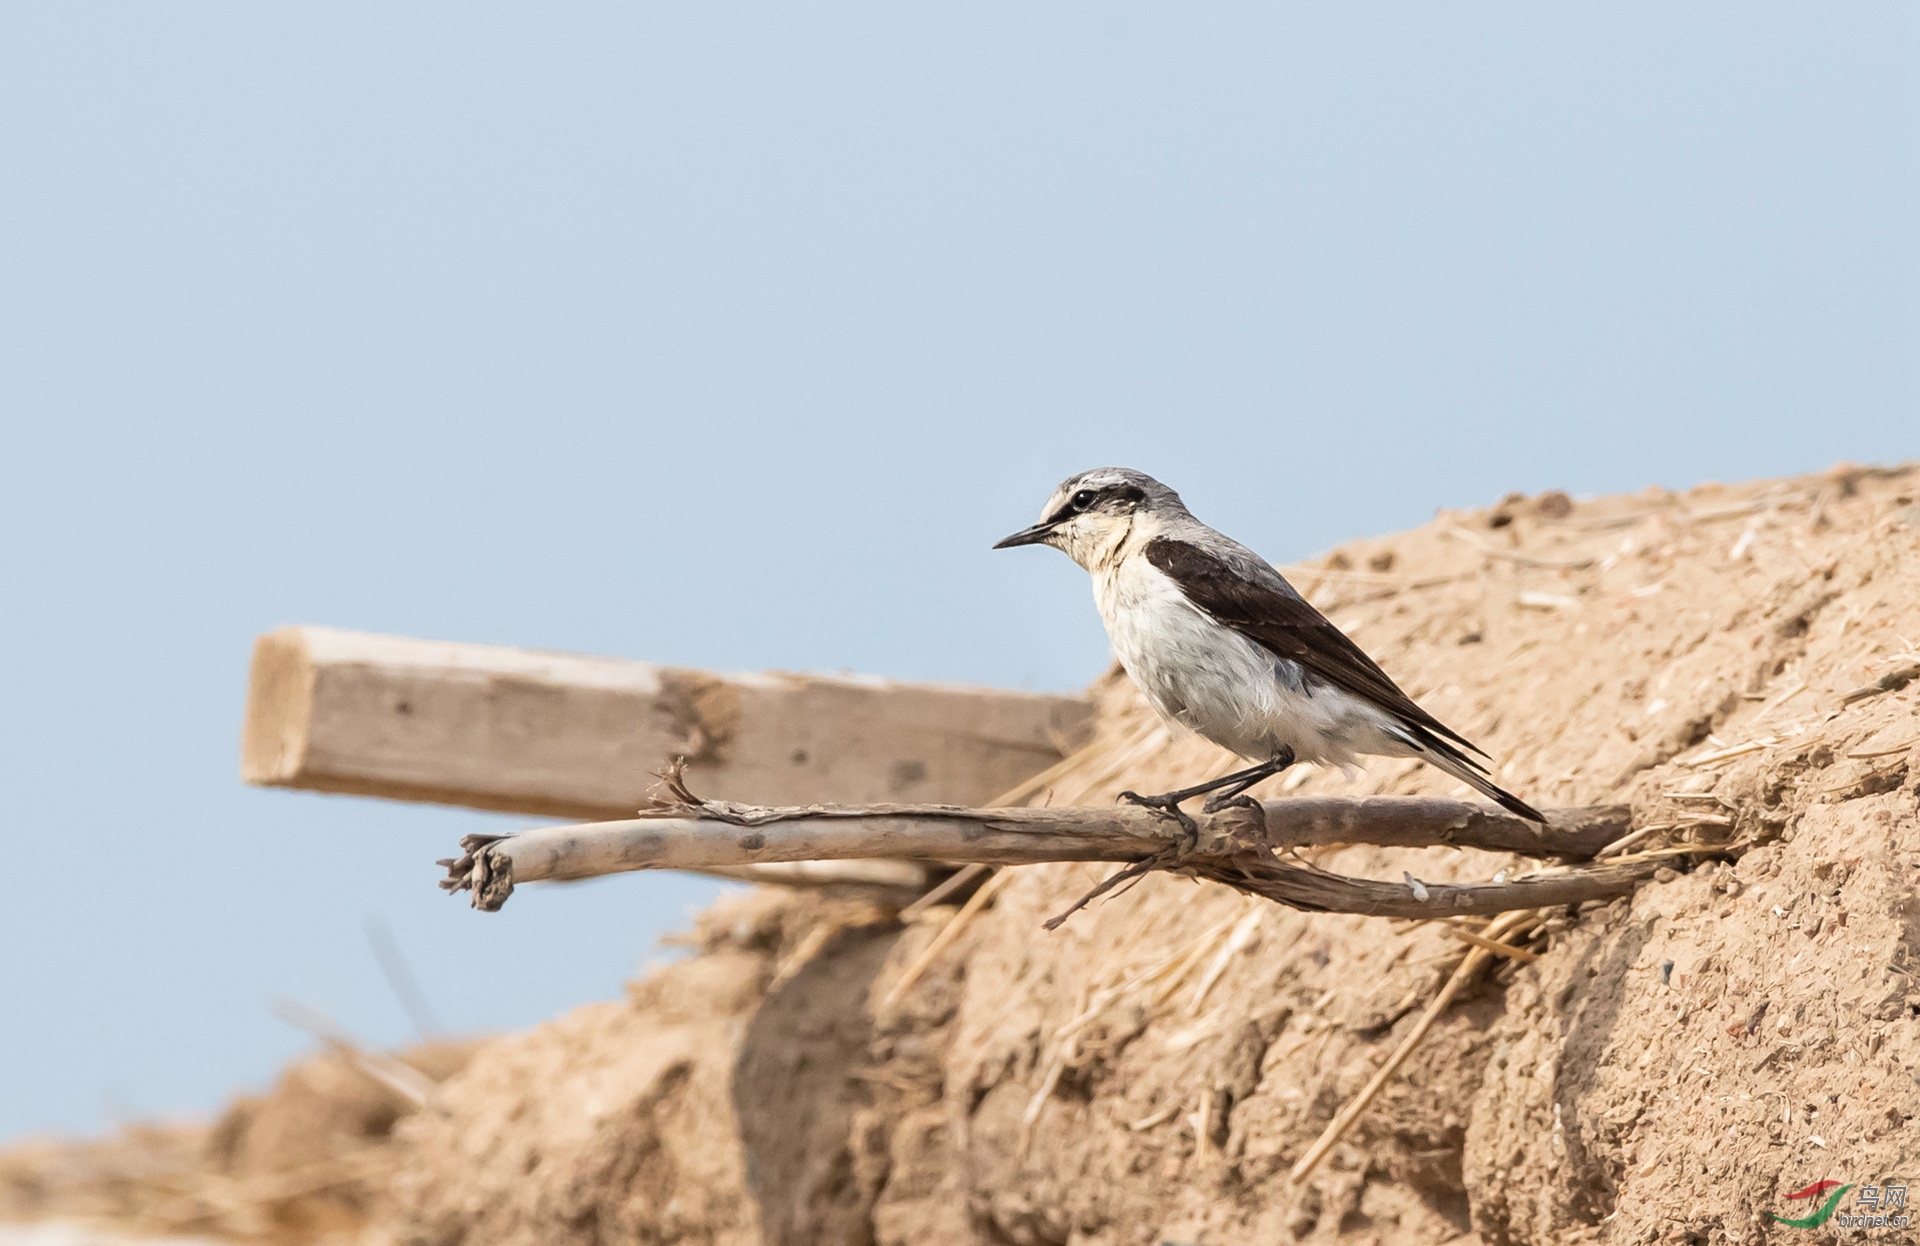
<point>1219,683</point>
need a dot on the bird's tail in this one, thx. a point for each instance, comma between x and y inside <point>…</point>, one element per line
<point>1438,753</point>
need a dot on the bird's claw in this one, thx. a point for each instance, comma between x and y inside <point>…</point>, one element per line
<point>1168,807</point>
<point>1239,801</point>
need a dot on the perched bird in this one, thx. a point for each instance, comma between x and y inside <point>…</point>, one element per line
<point>1221,643</point>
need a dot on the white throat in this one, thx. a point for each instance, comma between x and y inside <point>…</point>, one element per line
<point>1100,542</point>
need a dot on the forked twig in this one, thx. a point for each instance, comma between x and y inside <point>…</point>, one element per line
<point>1135,872</point>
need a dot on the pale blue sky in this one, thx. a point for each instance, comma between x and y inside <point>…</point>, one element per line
<point>732,336</point>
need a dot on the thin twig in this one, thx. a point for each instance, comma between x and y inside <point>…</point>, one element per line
<point>948,933</point>
<point>1628,840</point>
<point>1337,1128</point>
<point>1771,501</point>
<point>954,882</point>
<point>803,953</point>
<point>1513,555</point>
<point>1139,869</point>
<point>1682,850</point>
<point>1892,681</point>
<point>1481,941</point>
<point>1727,754</point>
<point>383,1070</point>
<point>406,987</point>
<point>1158,1118</point>
<point>1300,572</point>
<point>1799,687</point>
<point>1238,941</point>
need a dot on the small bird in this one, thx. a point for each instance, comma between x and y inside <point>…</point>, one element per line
<point>1221,643</point>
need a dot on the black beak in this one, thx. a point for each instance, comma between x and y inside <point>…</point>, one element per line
<point>1027,536</point>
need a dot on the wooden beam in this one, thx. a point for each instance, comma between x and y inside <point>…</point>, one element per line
<point>562,735</point>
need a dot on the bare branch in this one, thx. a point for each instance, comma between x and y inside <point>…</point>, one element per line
<point>898,882</point>
<point>1236,847</point>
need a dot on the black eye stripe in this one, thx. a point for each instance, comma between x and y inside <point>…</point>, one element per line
<point>1130,494</point>
<point>1074,506</point>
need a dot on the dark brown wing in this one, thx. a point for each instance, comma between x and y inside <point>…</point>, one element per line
<point>1289,627</point>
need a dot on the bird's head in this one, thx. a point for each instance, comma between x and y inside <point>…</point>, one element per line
<point>1091,514</point>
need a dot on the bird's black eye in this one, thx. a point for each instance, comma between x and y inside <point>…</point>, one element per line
<point>1083,499</point>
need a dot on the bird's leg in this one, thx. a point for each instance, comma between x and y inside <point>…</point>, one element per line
<point>1235,793</point>
<point>1168,803</point>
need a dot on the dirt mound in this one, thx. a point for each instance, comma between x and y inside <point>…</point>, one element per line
<point>300,1163</point>
<point>1674,1064</point>
<point>1737,663</point>
<point>649,1120</point>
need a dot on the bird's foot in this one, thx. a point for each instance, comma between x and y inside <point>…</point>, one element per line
<point>1168,806</point>
<point>1239,800</point>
